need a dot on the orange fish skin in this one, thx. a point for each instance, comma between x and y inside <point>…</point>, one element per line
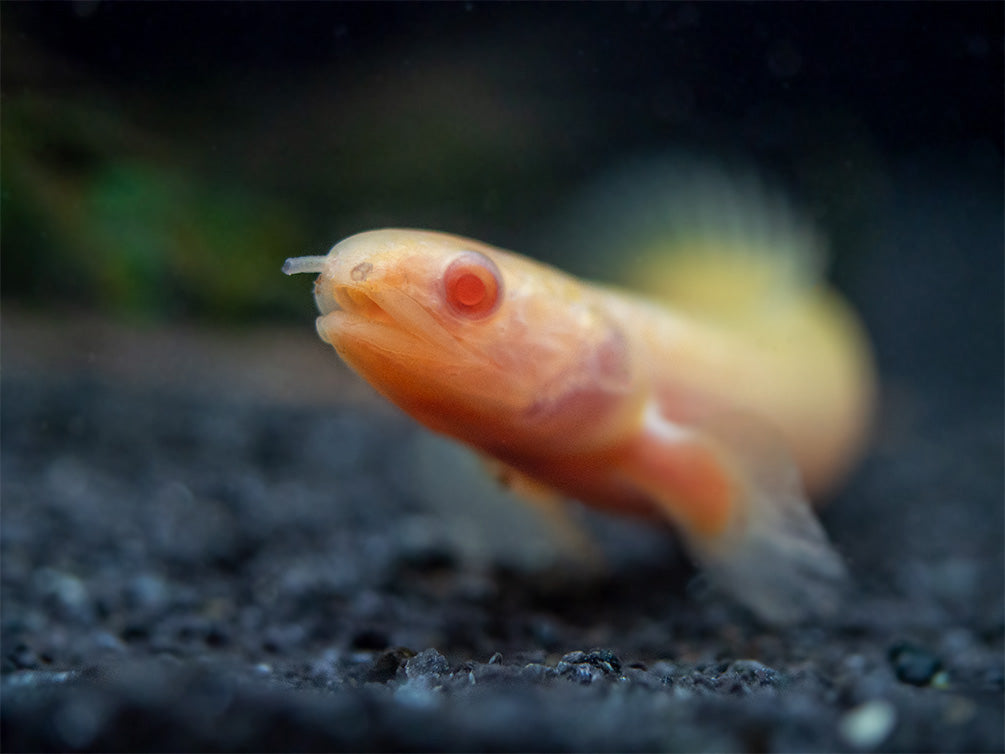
<point>618,401</point>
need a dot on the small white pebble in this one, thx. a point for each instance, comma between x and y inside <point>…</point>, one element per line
<point>868,725</point>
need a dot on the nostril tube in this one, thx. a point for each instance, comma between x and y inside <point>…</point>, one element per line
<point>298,265</point>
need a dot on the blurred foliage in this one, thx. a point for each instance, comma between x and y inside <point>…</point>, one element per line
<point>193,213</point>
<point>97,214</point>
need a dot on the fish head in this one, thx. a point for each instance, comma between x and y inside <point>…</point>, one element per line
<point>473,341</point>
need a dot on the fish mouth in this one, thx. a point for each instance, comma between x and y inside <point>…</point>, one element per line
<point>388,320</point>
<point>347,298</point>
<point>348,332</point>
<point>350,315</point>
<point>358,303</point>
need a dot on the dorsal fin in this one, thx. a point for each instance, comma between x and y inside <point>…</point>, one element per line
<point>717,242</point>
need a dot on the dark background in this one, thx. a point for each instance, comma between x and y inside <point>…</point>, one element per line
<point>211,538</point>
<point>151,147</point>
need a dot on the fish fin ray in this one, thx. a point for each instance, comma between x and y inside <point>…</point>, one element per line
<point>710,239</point>
<point>736,497</point>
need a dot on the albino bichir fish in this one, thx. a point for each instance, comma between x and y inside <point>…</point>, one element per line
<point>722,409</point>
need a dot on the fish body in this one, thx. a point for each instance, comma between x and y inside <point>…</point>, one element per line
<point>719,425</point>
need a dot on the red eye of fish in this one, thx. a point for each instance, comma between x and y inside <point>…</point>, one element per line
<point>473,285</point>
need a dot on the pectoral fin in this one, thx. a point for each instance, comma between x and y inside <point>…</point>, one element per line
<point>734,493</point>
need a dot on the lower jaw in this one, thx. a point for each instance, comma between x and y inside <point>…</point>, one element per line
<point>339,328</point>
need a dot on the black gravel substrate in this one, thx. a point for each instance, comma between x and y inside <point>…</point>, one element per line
<point>184,573</point>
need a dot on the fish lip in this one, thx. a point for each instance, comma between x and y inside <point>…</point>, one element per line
<point>353,300</point>
<point>357,301</point>
<point>354,312</point>
<point>339,327</point>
